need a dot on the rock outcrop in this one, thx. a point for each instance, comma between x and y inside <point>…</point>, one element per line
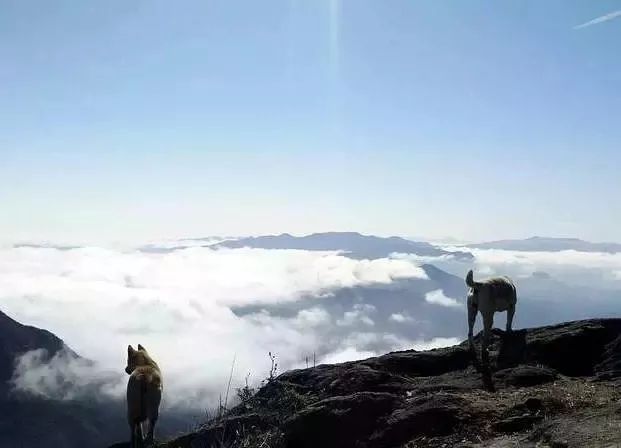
<point>548,386</point>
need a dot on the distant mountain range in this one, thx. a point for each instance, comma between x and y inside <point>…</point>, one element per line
<point>354,244</point>
<point>545,244</point>
<point>44,246</point>
<point>359,246</point>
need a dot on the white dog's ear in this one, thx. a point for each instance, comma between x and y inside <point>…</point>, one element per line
<point>470,279</point>
<point>140,347</point>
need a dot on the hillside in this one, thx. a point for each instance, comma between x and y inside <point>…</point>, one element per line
<point>554,386</point>
<point>33,421</point>
<point>16,339</point>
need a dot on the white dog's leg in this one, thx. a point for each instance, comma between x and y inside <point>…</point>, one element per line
<point>472,315</point>
<point>510,313</point>
<point>488,323</point>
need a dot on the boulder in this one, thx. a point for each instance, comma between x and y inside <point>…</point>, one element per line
<point>343,421</point>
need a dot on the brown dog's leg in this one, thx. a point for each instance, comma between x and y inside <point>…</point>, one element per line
<point>152,423</point>
<point>139,435</point>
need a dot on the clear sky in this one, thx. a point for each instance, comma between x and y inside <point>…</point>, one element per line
<point>124,120</point>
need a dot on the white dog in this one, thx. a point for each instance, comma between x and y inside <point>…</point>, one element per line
<point>489,296</point>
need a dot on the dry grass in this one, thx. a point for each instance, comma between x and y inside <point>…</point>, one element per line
<point>564,401</point>
<point>564,395</point>
<point>570,395</point>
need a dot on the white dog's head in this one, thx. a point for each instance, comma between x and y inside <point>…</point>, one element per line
<point>472,287</point>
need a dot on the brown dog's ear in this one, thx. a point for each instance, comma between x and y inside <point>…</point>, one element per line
<point>130,349</point>
<point>140,347</point>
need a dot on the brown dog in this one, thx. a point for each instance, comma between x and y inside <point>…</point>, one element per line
<point>144,393</point>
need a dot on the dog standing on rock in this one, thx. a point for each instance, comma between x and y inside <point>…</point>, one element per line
<point>144,393</point>
<point>489,296</point>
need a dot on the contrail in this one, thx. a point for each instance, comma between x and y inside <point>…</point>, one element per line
<point>604,18</point>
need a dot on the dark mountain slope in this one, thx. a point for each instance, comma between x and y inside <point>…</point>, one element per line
<point>16,339</point>
<point>31,421</point>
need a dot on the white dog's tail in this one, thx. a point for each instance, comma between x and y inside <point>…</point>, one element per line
<point>470,279</point>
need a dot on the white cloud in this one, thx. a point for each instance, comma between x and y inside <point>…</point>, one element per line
<point>346,354</point>
<point>178,305</point>
<point>370,342</point>
<point>225,276</point>
<point>312,317</point>
<point>592,269</point>
<point>357,346</point>
<point>359,313</point>
<point>437,297</point>
<point>601,19</point>
<point>64,377</point>
<point>400,317</point>
<point>435,343</point>
<point>573,267</point>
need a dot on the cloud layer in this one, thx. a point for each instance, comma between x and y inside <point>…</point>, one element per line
<point>178,305</point>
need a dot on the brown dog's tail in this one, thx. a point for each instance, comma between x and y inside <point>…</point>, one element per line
<point>470,279</point>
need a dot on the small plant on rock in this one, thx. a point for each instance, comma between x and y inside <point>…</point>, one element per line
<point>274,368</point>
<point>244,394</point>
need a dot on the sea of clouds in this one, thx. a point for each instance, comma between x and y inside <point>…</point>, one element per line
<point>178,304</point>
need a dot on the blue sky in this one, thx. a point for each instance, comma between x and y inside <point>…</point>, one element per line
<point>150,119</point>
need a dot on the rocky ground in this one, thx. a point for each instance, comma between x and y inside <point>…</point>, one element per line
<point>555,386</point>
